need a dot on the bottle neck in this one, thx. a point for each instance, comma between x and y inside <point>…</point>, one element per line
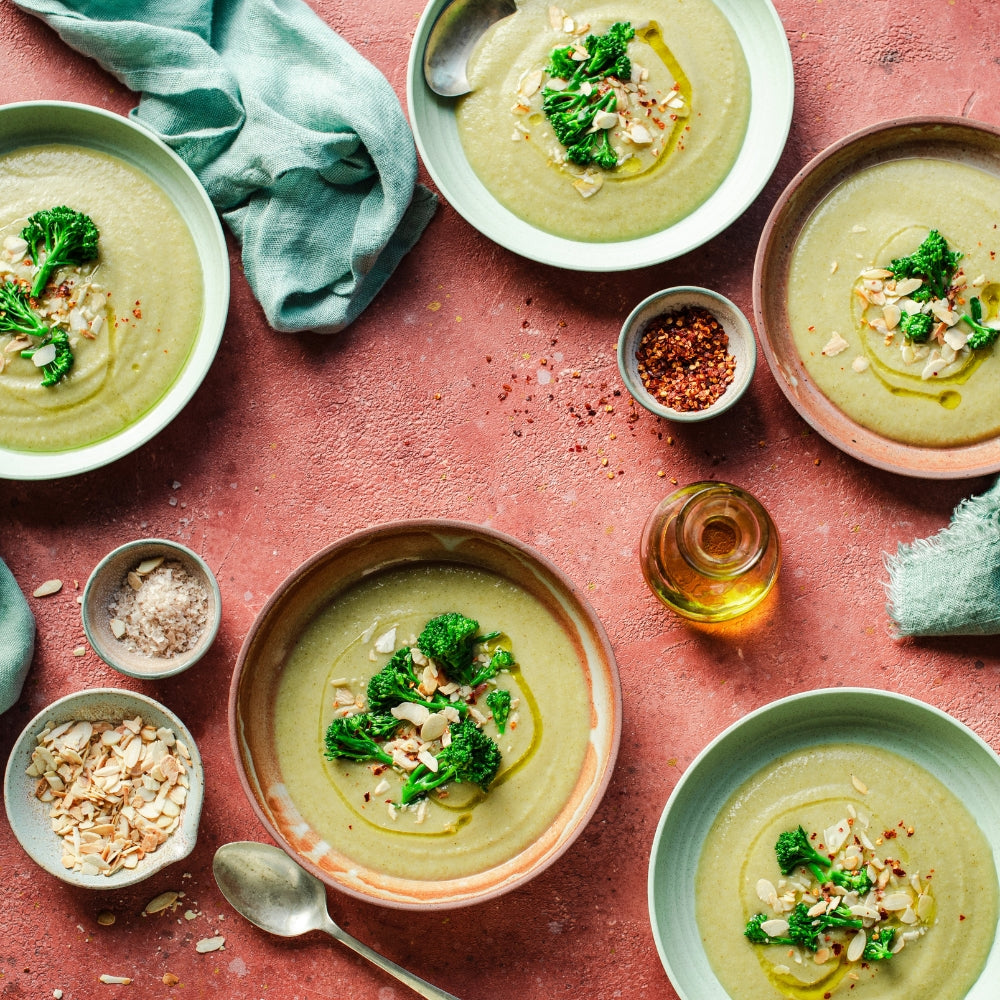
<point>722,531</point>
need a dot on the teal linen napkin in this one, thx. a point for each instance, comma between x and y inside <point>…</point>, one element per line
<point>17,638</point>
<point>300,142</point>
<point>949,584</point>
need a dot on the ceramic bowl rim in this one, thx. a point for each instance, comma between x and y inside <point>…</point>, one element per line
<point>178,846</point>
<point>612,711</point>
<point>677,296</point>
<point>157,161</point>
<point>173,665</point>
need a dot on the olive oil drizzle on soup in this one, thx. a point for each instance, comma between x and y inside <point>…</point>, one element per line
<point>817,788</point>
<point>149,269</point>
<point>466,831</point>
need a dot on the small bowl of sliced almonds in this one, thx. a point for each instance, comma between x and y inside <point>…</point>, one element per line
<point>74,777</point>
<point>151,608</point>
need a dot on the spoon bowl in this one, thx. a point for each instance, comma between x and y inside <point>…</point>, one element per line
<point>266,886</point>
<point>453,37</point>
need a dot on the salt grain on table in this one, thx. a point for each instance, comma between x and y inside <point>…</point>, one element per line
<point>163,616</point>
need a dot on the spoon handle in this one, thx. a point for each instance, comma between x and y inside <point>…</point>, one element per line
<point>415,983</point>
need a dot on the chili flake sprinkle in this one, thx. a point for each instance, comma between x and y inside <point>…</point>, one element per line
<point>684,359</point>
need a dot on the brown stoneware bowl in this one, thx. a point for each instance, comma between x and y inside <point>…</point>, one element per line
<point>325,580</point>
<point>957,139</point>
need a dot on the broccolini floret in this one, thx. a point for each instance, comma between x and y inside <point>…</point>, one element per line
<point>804,930</point>
<point>60,362</point>
<point>879,946</point>
<point>355,737</point>
<point>18,318</point>
<point>58,237</point>
<point>793,849</point>
<point>981,336</point>
<point>933,263</point>
<point>916,327</point>
<point>498,702</point>
<point>471,756</point>
<point>397,682</point>
<point>573,108</point>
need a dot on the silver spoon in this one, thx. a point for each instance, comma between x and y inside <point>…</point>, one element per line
<point>452,38</point>
<point>273,892</point>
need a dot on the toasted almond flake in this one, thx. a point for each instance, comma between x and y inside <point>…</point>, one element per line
<point>529,83</point>
<point>775,928</point>
<point>386,642</point>
<point>428,760</point>
<point>639,135</point>
<point>148,565</point>
<point>48,588</point>
<point>835,345</point>
<point>114,980</point>
<point>857,946</point>
<point>822,956</point>
<point>206,945</point>
<point>860,364</point>
<point>411,712</point>
<point>907,286</point>
<point>588,184</point>
<point>876,273</point>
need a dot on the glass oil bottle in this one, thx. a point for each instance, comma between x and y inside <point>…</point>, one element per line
<point>710,552</point>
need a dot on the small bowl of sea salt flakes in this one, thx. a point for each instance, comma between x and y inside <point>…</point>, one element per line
<point>151,608</point>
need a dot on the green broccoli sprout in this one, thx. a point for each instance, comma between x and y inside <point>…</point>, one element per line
<point>355,737</point>
<point>397,682</point>
<point>16,315</point>
<point>793,849</point>
<point>803,930</point>
<point>498,702</point>
<point>62,357</point>
<point>572,109</point>
<point>879,946</point>
<point>916,327</point>
<point>18,318</point>
<point>757,935</point>
<point>64,237</point>
<point>857,881</point>
<point>981,336</point>
<point>933,263</point>
<point>450,640</point>
<point>471,756</point>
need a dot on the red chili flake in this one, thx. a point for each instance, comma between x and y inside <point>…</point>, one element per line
<point>684,360</point>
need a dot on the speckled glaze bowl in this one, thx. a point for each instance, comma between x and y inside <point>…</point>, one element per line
<point>742,346</point>
<point>104,584</point>
<point>29,816</point>
<point>938,137</point>
<point>929,737</point>
<point>317,583</point>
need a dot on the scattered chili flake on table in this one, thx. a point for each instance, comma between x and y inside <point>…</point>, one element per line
<point>684,359</point>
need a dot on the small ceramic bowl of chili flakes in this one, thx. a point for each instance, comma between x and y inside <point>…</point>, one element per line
<point>687,354</point>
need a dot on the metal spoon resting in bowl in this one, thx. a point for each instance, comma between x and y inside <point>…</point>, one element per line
<point>273,892</point>
<point>452,38</point>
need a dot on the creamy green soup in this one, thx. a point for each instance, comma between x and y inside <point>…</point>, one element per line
<point>141,318</point>
<point>909,817</point>
<point>351,804</point>
<point>881,213</point>
<point>693,91</point>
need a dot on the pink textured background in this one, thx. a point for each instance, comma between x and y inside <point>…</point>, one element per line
<point>436,403</point>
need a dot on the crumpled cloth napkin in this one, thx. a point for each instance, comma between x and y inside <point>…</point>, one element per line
<point>300,142</point>
<point>949,584</point>
<point>17,638</point>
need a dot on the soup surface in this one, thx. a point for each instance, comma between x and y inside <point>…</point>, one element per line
<point>880,213</point>
<point>693,92</point>
<point>144,291</point>
<point>909,817</point>
<point>466,831</point>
